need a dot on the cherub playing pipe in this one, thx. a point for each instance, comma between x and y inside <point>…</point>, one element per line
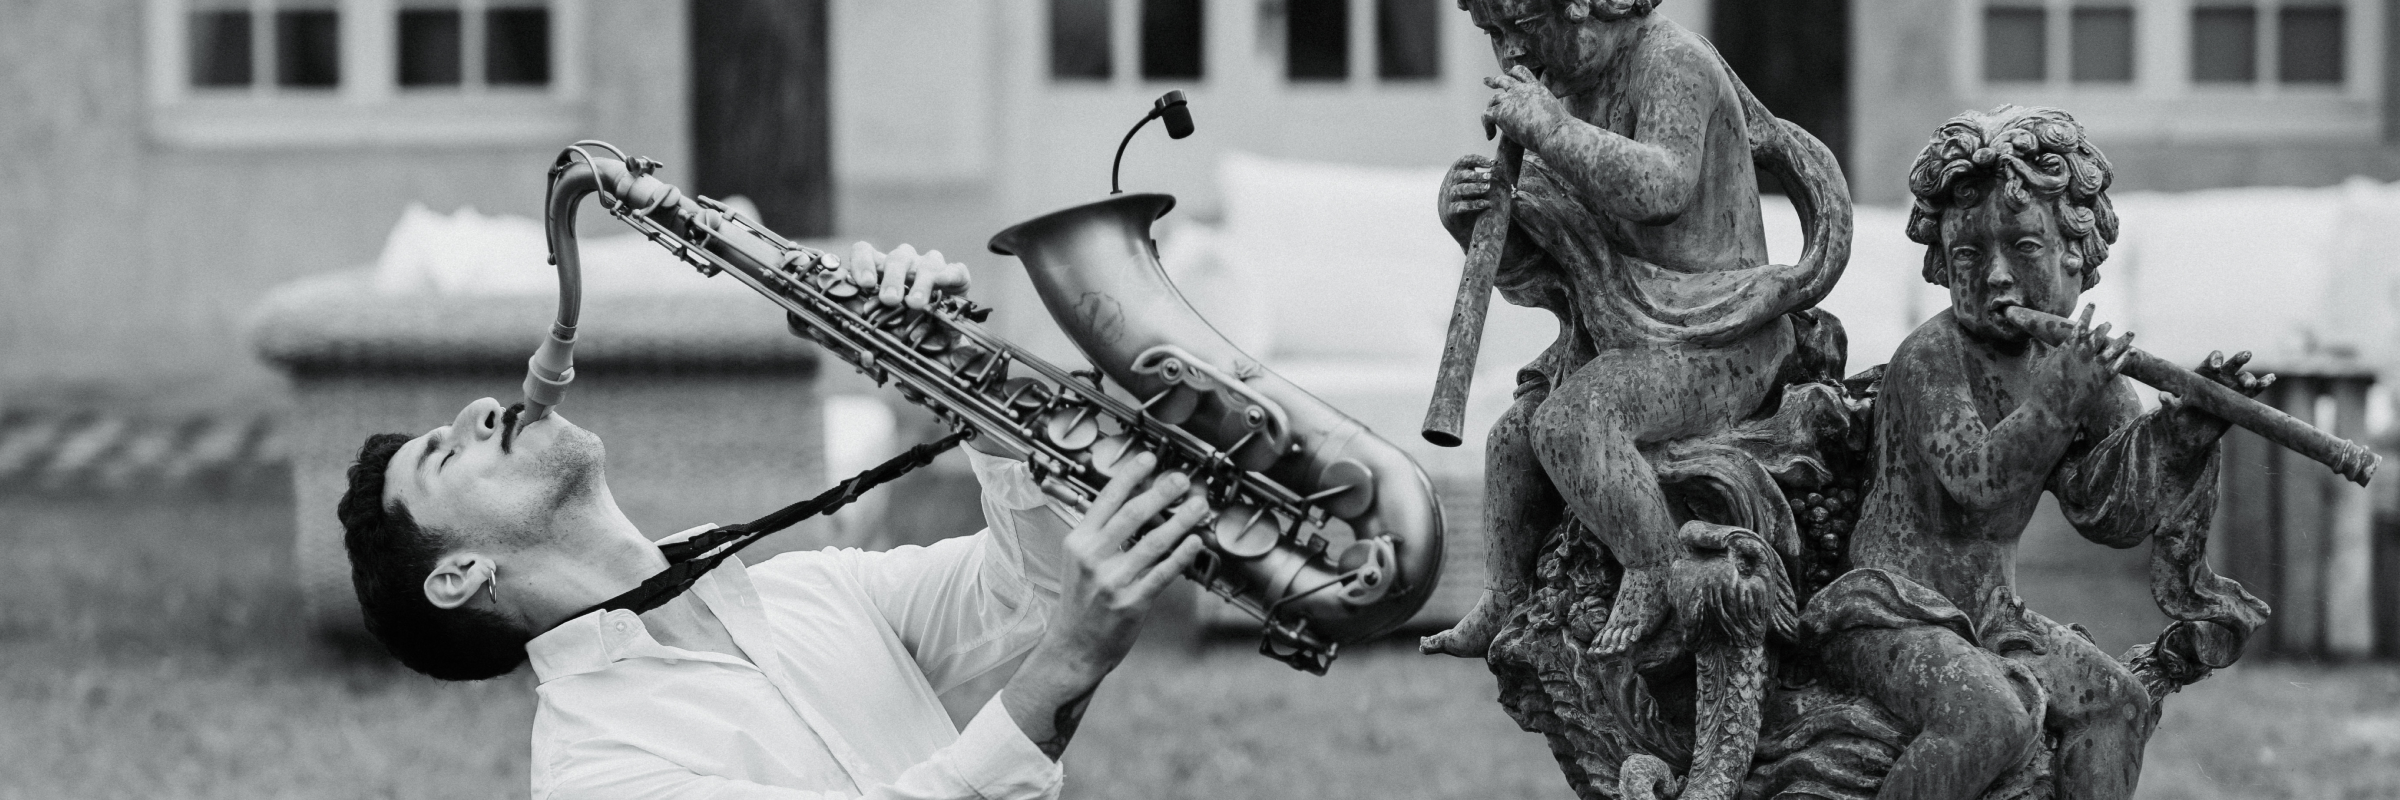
<point>1637,224</point>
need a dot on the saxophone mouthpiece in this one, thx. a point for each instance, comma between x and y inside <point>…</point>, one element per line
<point>548,373</point>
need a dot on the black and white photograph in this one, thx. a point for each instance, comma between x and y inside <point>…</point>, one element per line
<point>1310,399</point>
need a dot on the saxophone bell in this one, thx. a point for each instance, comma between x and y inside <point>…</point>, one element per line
<point>1097,269</point>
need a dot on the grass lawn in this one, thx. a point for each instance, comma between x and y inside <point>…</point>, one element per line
<point>148,649</point>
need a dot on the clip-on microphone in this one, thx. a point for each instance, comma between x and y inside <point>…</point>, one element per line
<point>1178,115</point>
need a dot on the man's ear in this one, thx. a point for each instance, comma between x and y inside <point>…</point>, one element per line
<point>457,578</point>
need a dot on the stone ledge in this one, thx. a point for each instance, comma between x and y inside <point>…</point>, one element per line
<point>339,324</point>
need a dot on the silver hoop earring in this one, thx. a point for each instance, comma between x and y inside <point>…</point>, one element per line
<point>493,586</point>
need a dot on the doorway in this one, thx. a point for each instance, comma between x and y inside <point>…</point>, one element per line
<point>760,106</point>
<point>1795,56</point>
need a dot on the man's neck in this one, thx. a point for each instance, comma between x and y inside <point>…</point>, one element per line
<point>598,555</point>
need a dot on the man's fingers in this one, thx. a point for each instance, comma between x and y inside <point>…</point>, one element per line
<point>860,269</point>
<point>1128,520</point>
<point>2238,361</point>
<point>1155,542</point>
<point>2083,321</point>
<point>1187,550</point>
<point>895,273</point>
<point>928,270</point>
<point>1120,488</point>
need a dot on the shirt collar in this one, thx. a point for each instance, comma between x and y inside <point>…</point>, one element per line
<point>591,642</point>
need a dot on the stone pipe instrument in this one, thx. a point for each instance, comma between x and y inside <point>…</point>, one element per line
<point>1445,414</point>
<point>2351,459</point>
<point>1282,470</point>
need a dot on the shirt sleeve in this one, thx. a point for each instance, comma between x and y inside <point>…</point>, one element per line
<point>968,605</point>
<point>991,760</point>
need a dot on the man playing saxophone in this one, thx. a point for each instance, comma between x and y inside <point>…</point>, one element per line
<point>485,543</point>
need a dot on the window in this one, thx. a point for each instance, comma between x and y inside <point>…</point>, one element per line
<point>308,45</point>
<point>301,41</point>
<point>1316,40</point>
<point>1079,40</point>
<point>2229,36</point>
<point>2308,44</point>
<point>2224,41</point>
<point>220,46</point>
<point>249,73</point>
<point>1171,43</point>
<point>2020,38</point>
<point>2102,44</point>
<point>1408,39</point>
<point>452,45</point>
<point>2014,43</point>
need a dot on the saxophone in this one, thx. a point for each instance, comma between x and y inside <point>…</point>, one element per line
<point>1286,475</point>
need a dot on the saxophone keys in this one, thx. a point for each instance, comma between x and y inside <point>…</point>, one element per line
<point>1073,428</point>
<point>1111,451</point>
<point>1245,532</point>
<point>1026,394</point>
<point>835,287</point>
<point>1172,405</point>
<point>929,336</point>
<point>1349,489</point>
<point>965,358</point>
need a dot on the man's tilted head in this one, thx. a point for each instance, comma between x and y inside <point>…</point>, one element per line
<point>429,521</point>
<point>2013,209</point>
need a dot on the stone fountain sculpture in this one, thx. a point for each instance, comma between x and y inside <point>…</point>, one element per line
<point>1719,567</point>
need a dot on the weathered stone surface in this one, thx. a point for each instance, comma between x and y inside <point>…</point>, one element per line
<point>1719,568</point>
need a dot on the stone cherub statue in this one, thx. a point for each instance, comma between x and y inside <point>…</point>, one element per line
<point>1973,421</point>
<point>1637,225</point>
<point>1677,596</point>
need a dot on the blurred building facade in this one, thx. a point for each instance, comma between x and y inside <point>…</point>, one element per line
<point>171,159</point>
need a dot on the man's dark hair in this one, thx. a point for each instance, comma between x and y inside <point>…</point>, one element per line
<point>390,555</point>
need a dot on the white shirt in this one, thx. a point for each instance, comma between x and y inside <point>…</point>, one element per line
<point>853,647</point>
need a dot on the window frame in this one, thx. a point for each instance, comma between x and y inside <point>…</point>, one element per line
<point>2165,102</point>
<point>368,106</point>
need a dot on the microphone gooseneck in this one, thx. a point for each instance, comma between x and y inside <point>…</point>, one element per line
<point>1171,107</point>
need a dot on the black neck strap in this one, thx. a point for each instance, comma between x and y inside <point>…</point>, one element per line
<point>693,557</point>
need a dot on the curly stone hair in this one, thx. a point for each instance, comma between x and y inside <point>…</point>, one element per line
<point>1604,9</point>
<point>2021,155</point>
<point>390,555</point>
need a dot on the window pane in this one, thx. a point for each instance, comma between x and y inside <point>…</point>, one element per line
<point>2309,44</point>
<point>2224,45</point>
<point>1079,39</point>
<point>2013,42</point>
<point>429,51</point>
<point>1171,43</point>
<point>308,49</point>
<point>2103,45</point>
<point>1408,38</point>
<point>1316,40</point>
<point>516,49</point>
<point>220,48</point>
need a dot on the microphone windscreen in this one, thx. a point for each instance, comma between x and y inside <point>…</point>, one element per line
<point>1179,120</point>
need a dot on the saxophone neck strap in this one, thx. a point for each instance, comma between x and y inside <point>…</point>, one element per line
<point>695,556</point>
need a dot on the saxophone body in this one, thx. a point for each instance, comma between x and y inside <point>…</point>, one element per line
<point>1287,476</point>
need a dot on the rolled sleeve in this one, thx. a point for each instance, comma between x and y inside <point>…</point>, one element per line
<point>995,759</point>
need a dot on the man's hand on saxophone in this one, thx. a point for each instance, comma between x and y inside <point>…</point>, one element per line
<point>903,275</point>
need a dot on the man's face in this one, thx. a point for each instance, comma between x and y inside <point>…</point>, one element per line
<point>1999,256</point>
<point>473,477</point>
